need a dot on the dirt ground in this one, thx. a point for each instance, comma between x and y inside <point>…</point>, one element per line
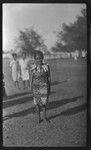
<point>66,110</point>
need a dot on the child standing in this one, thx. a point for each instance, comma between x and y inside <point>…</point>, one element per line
<point>15,70</point>
<point>40,84</point>
<point>4,91</point>
<point>24,70</point>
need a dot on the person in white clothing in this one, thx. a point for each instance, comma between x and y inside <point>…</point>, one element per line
<point>24,70</point>
<point>15,70</point>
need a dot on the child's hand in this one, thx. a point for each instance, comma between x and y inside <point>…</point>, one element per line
<point>31,87</point>
<point>20,76</point>
<point>27,68</point>
<point>49,87</point>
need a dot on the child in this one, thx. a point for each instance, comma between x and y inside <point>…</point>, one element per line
<point>24,70</point>
<point>4,91</point>
<point>15,72</point>
<point>40,84</point>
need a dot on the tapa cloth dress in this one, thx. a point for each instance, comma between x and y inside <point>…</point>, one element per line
<point>24,71</point>
<point>15,73</point>
<point>40,84</point>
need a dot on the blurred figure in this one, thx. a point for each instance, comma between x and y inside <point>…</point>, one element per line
<point>15,70</point>
<point>4,91</point>
<point>24,70</point>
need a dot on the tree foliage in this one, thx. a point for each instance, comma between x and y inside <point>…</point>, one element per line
<point>29,40</point>
<point>72,36</point>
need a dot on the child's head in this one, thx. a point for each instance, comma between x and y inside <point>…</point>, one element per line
<point>14,56</point>
<point>38,57</point>
<point>24,55</point>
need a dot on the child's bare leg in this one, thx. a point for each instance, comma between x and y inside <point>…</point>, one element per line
<point>17,82</point>
<point>28,83</point>
<point>38,111</point>
<point>44,112</point>
<point>24,84</point>
<point>4,92</point>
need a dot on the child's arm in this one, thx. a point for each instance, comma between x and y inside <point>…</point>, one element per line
<point>49,79</point>
<point>19,68</point>
<point>20,71</point>
<point>31,81</point>
<point>11,63</point>
<point>49,75</point>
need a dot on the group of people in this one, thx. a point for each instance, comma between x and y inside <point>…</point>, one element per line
<point>20,69</point>
<point>40,81</point>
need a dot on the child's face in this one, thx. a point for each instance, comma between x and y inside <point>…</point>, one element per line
<point>38,60</point>
<point>24,56</point>
<point>15,57</point>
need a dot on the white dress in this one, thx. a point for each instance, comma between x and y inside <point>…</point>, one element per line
<point>24,71</point>
<point>14,66</point>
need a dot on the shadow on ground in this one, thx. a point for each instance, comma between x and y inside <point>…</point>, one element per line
<point>17,95</point>
<point>25,93</point>
<point>57,82</point>
<point>19,100</point>
<point>70,111</point>
<point>52,105</point>
<point>55,104</point>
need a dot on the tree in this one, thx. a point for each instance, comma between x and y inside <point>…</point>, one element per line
<point>73,36</point>
<point>29,40</point>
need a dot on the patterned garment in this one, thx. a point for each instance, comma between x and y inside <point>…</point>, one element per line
<point>40,84</point>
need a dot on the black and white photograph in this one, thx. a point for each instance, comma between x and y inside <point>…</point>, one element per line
<point>44,66</point>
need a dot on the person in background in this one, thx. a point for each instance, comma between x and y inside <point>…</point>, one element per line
<point>4,91</point>
<point>24,70</point>
<point>15,72</point>
<point>40,84</point>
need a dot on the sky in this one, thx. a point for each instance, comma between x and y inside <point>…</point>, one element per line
<point>46,19</point>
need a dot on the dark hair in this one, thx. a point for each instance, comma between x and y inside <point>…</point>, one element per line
<point>38,53</point>
<point>24,53</point>
<point>14,54</point>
